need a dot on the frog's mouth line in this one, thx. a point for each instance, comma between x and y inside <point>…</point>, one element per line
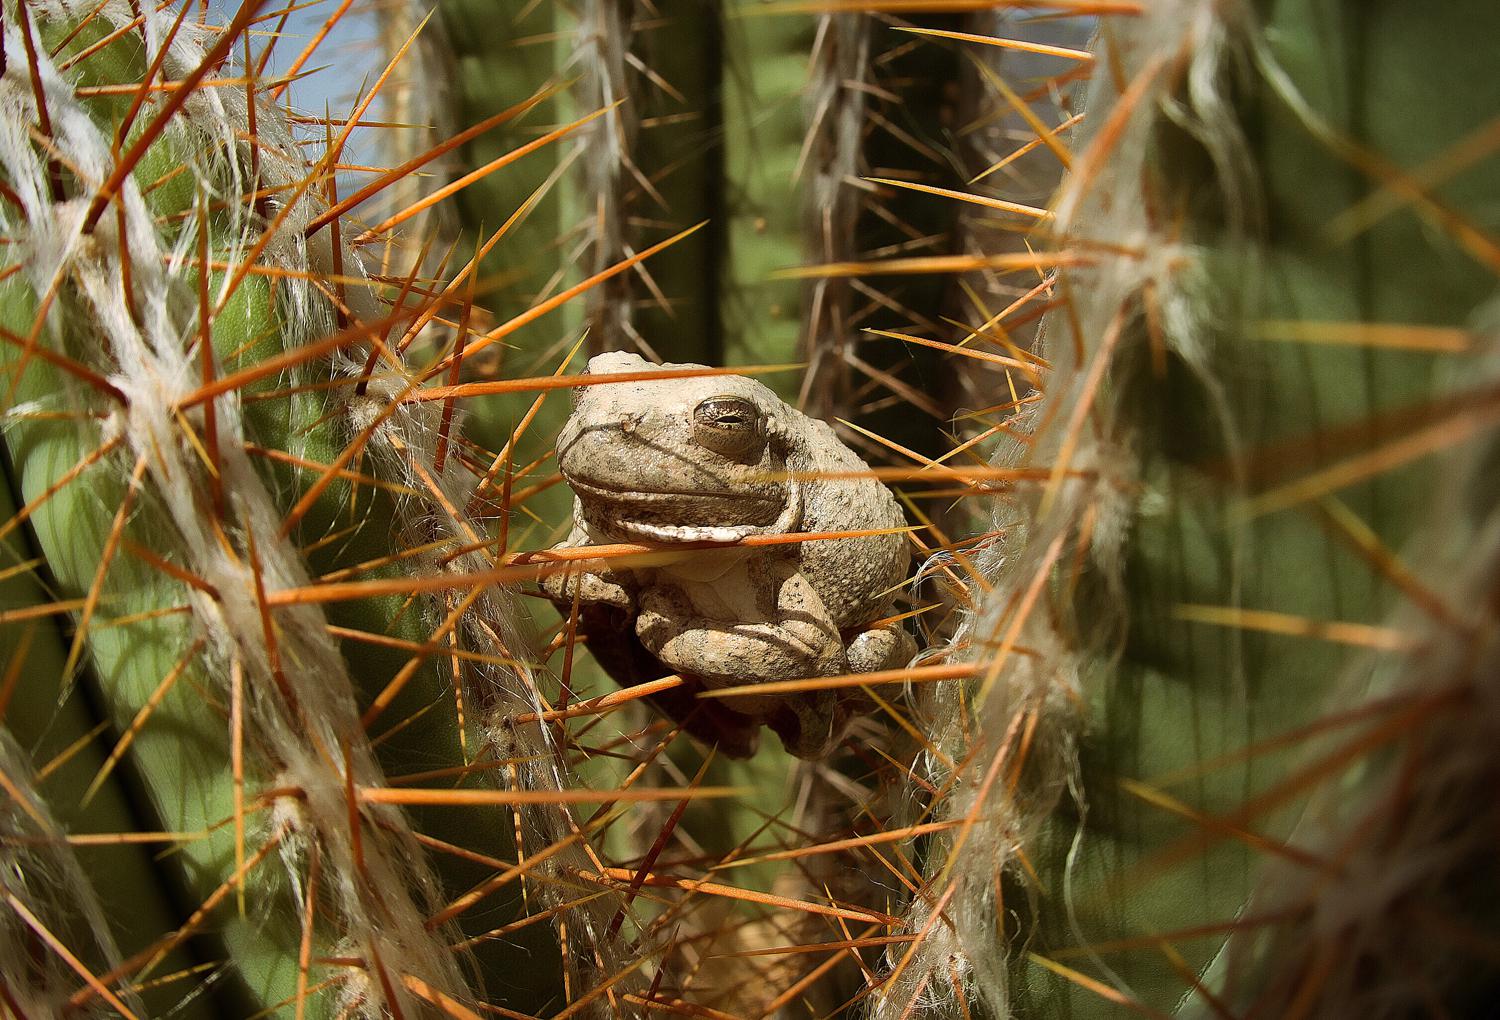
<point>636,494</point>
<point>789,520</point>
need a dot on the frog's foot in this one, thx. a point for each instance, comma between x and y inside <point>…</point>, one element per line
<point>734,654</point>
<point>888,647</point>
<point>589,588</point>
<point>811,724</point>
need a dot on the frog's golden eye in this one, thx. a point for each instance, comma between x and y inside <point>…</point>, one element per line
<point>731,426</point>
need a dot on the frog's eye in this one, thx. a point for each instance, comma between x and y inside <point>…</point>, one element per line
<point>731,426</point>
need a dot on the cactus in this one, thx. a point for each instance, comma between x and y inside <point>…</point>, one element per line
<point>1202,725</point>
<point>1243,749</point>
<point>204,457</point>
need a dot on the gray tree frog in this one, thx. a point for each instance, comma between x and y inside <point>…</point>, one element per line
<point>720,458</point>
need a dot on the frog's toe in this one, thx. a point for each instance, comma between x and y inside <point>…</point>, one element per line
<point>660,618</point>
<point>889,647</point>
<point>588,588</point>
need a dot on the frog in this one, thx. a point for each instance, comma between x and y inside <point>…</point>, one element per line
<point>693,466</point>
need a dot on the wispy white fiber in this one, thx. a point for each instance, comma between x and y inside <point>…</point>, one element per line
<point>381,893</point>
<point>1032,701</point>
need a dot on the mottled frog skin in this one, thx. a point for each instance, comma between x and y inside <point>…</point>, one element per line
<point>674,461</point>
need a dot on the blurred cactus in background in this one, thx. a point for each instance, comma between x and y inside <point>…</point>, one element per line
<point>1232,728</point>
<point>1172,323</point>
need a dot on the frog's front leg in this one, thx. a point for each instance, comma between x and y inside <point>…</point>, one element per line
<point>793,637</point>
<point>600,586</point>
<point>762,624</point>
<point>605,605</point>
<point>733,654</point>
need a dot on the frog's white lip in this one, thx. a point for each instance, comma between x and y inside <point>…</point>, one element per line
<point>643,495</point>
<point>682,533</point>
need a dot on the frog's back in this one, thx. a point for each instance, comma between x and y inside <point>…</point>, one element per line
<point>855,577</point>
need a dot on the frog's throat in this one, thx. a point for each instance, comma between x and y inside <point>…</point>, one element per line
<point>787,522</point>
